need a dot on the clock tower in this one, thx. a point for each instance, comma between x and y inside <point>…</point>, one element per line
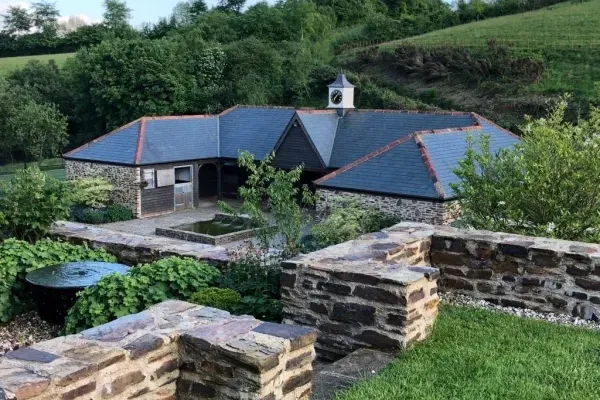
<point>341,95</point>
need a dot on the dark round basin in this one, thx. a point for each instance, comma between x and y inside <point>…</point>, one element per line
<point>54,289</point>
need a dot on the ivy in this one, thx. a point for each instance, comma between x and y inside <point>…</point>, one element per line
<point>17,258</point>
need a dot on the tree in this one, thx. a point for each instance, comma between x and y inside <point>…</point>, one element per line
<point>17,20</point>
<point>282,193</point>
<point>197,7</point>
<point>549,185</point>
<point>231,5</point>
<point>116,15</point>
<point>45,16</point>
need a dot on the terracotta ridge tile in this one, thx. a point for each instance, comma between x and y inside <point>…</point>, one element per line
<point>140,142</point>
<point>477,116</point>
<point>429,165</point>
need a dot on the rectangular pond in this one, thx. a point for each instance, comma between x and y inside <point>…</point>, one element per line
<point>221,229</point>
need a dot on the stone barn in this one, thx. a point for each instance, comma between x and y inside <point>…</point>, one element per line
<point>398,161</point>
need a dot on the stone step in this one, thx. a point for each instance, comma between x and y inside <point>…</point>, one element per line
<point>342,374</point>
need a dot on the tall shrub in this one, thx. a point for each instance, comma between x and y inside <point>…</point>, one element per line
<point>31,202</point>
<point>548,185</point>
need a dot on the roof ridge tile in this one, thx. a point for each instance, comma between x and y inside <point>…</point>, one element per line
<point>101,138</point>
<point>429,166</point>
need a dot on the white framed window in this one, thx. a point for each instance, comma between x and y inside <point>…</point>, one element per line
<point>149,178</point>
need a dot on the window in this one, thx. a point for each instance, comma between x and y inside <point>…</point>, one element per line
<point>149,178</point>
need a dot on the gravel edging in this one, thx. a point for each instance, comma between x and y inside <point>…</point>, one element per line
<point>25,330</point>
<point>561,319</point>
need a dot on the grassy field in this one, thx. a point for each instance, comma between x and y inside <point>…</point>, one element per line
<point>476,354</point>
<point>53,167</point>
<point>9,64</point>
<point>565,36</point>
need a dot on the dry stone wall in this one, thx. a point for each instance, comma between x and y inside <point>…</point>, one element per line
<point>126,181</point>
<point>542,274</point>
<point>374,292</point>
<point>174,350</point>
<point>404,209</point>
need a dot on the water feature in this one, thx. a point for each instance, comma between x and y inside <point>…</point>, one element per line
<point>54,289</point>
<point>215,227</point>
<point>221,229</point>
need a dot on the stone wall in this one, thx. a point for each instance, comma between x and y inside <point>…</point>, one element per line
<point>126,181</point>
<point>174,350</point>
<point>375,292</point>
<point>542,274</point>
<point>404,209</point>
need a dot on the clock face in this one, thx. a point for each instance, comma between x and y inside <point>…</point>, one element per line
<point>336,97</point>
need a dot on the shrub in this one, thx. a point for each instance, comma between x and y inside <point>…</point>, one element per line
<point>223,299</point>
<point>31,203</point>
<point>117,213</point>
<point>91,192</point>
<point>548,185</point>
<point>92,216</point>
<point>118,295</point>
<point>17,258</point>
<point>256,278</point>
<point>347,221</point>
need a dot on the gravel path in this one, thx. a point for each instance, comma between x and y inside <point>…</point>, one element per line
<point>462,300</point>
<point>25,330</point>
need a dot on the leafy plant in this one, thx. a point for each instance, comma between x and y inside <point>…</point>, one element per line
<point>281,192</point>
<point>548,185</point>
<point>256,277</point>
<point>117,213</point>
<point>17,258</point>
<point>347,220</point>
<point>92,216</point>
<point>118,295</point>
<point>223,299</point>
<point>31,203</point>
<point>91,192</point>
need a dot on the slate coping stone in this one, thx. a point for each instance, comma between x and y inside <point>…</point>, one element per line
<point>119,329</point>
<point>32,355</point>
<point>298,335</point>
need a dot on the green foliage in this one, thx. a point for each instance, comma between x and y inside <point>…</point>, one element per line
<point>223,299</point>
<point>256,277</point>
<point>92,216</point>
<point>283,197</point>
<point>118,295</point>
<point>31,203</point>
<point>17,258</point>
<point>117,213</point>
<point>547,186</point>
<point>16,20</point>
<point>91,192</point>
<point>347,220</point>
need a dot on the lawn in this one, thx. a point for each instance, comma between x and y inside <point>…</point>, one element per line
<point>566,36</point>
<point>477,354</point>
<point>9,64</point>
<point>52,166</point>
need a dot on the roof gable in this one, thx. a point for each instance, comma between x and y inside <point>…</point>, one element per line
<point>321,127</point>
<point>296,148</point>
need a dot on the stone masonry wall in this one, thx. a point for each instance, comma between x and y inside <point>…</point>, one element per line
<point>126,181</point>
<point>542,274</point>
<point>404,209</point>
<point>174,350</point>
<point>374,292</point>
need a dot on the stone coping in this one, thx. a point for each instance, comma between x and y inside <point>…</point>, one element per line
<point>132,249</point>
<point>587,250</point>
<point>381,255</point>
<point>140,356</point>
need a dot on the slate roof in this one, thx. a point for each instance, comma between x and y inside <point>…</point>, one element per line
<point>419,164</point>
<point>394,152</point>
<point>341,82</point>
<point>321,127</point>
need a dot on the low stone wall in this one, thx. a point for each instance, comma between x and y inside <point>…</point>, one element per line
<point>173,350</point>
<point>542,274</point>
<point>135,249</point>
<point>126,181</point>
<point>375,292</point>
<point>404,209</point>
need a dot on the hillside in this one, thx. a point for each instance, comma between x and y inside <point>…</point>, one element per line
<point>9,64</point>
<point>564,37</point>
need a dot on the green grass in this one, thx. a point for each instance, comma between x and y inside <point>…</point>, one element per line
<point>52,166</point>
<point>9,64</point>
<point>477,354</point>
<point>566,36</point>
